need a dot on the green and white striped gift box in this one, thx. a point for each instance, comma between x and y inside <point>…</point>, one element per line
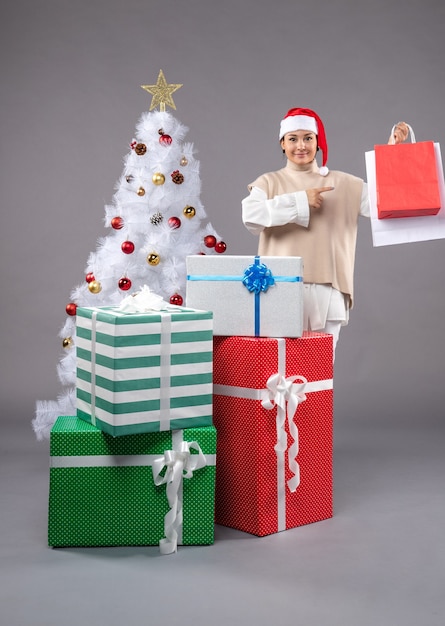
<point>144,372</point>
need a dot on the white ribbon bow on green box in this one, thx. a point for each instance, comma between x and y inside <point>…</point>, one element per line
<point>178,464</point>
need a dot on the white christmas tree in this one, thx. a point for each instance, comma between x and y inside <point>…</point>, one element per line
<point>155,220</point>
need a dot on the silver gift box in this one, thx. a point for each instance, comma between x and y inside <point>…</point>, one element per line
<point>253,296</point>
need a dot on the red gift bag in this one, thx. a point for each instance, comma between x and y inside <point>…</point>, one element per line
<point>406,179</point>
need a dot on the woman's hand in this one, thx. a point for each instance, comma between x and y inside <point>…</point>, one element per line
<point>315,197</point>
<point>400,133</point>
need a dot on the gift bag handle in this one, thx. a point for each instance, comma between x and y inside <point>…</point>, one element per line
<point>411,134</point>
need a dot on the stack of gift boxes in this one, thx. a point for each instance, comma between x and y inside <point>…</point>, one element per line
<point>160,392</point>
<point>273,393</point>
<point>136,466</point>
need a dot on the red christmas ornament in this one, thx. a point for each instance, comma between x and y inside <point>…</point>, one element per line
<point>124,283</point>
<point>71,308</point>
<point>133,144</point>
<point>89,277</point>
<point>209,241</point>
<point>220,247</point>
<point>176,299</point>
<point>117,223</point>
<point>174,222</point>
<point>165,140</point>
<point>127,247</point>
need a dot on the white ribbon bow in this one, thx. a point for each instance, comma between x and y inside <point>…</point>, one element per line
<point>143,301</point>
<point>283,391</point>
<point>179,464</point>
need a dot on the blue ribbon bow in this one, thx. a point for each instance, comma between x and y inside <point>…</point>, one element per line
<point>258,277</point>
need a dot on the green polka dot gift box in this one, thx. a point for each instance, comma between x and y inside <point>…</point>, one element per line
<point>146,489</point>
<point>144,371</point>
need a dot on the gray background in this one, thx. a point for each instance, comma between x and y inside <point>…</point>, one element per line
<point>70,99</point>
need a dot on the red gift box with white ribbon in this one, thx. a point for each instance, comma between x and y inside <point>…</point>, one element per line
<point>273,411</point>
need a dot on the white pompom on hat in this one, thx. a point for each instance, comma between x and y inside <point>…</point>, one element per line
<point>306,119</point>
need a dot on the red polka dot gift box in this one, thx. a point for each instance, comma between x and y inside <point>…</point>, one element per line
<point>273,411</point>
<point>134,490</point>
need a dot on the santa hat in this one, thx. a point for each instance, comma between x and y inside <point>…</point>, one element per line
<point>305,119</point>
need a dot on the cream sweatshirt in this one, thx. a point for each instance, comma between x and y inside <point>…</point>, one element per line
<point>327,239</point>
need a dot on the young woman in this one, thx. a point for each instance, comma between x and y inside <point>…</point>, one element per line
<point>311,212</point>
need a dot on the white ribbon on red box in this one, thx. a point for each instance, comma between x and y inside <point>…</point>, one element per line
<point>283,393</point>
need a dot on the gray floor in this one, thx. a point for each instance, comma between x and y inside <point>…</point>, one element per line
<point>379,561</point>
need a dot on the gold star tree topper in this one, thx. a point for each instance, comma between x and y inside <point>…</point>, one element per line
<point>161,92</point>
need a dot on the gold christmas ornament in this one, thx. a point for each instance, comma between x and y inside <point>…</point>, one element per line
<point>158,178</point>
<point>94,286</point>
<point>161,92</point>
<point>183,161</point>
<point>153,259</point>
<point>67,342</point>
<point>141,191</point>
<point>189,211</point>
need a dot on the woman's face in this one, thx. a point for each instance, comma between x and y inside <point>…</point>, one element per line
<point>300,146</point>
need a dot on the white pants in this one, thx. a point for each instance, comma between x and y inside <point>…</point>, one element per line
<point>325,310</point>
<point>333,328</point>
